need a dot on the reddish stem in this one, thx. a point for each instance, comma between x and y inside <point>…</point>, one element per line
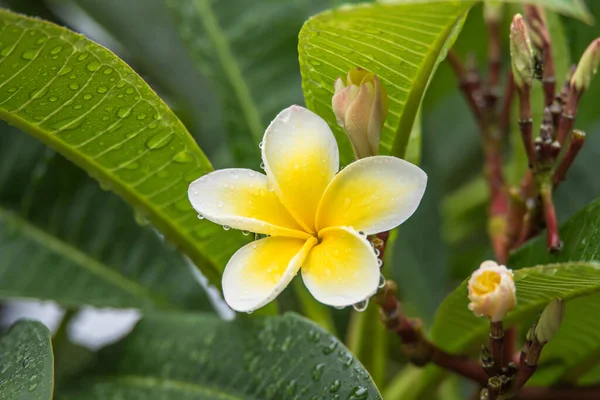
<point>567,119</point>
<point>553,241</point>
<point>575,144</point>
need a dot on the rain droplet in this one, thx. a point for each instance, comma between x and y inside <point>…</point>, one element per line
<point>379,262</point>
<point>200,216</point>
<point>56,50</point>
<point>317,371</point>
<point>262,165</point>
<point>107,71</point>
<point>335,386</point>
<point>183,157</point>
<point>245,233</point>
<point>28,54</point>
<point>159,140</point>
<point>382,281</point>
<point>359,393</point>
<point>361,305</point>
<point>123,112</point>
<point>93,66</point>
<point>226,227</point>
<point>260,145</point>
<point>377,252</point>
<point>73,86</point>
<point>102,89</point>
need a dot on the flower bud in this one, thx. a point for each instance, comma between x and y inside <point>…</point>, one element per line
<point>521,52</point>
<point>586,69</point>
<point>492,291</point>
<point>360,107</point>
<point>550,321</point>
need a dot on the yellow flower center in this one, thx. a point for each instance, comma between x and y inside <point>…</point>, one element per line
<point>486,283</point>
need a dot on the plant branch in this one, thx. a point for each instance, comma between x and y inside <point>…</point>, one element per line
<point>559,393</point>
<point>415,346</point>
<point>575,144</point>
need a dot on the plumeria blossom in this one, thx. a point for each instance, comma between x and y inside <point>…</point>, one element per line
<point>492,291</point>
<point>317,219</point>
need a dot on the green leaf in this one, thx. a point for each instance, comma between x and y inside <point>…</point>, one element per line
<point>572,8</point>
<point>580,236</point>
<point>456,329</point>
<point>401,43</point>
<point>575,348</point>
<point>143,33</point>
<point>251,58</point>
<point>189,356</point>
<point>26,370</point>
<point>64,239</point>
<point>84,102</point>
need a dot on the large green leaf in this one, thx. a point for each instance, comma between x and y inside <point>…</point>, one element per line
<point>80,99</point>
<point>251,56</point>
<point>26,370</point>
<point>177,356</point>
<point>401,43</point>
<point>144,34</point>
<point>64,239</point>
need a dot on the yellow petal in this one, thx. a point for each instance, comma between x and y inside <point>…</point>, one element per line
<point>301,157</point>
<point>260,270</point>
<point>342,269</point>
<point>372,195</point>
<point>242,199</point>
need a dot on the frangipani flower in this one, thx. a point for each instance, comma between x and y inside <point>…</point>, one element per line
<point>492,291</point>
<point>317,221</point>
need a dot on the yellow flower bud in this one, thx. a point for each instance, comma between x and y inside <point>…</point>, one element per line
<point>492,291</point>
<point>521,52</point>
<point>587,67</point>
<point>360,107</point>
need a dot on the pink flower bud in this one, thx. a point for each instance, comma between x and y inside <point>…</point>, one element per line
<point>360,107</point>
<point>492,291</point>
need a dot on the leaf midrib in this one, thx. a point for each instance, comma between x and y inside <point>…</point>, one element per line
<point>81,259</point>
<point>231,68</point>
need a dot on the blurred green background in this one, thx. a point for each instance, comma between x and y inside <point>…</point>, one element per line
<point>437,248</point>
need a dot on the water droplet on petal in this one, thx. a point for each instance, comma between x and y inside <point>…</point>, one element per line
<point>379,262</point>
<point>382,281</point>
<point>200,216</point>
<point>226,227</point>
<point>245,233</point>
<point>262,165</point>
<point>361,305</point>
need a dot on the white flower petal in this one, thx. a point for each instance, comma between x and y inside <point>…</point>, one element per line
<point>242,199</point>
<point>260,270</point>
<point>301,157</point>
<point>373,194</point>
<point>342,269</point>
